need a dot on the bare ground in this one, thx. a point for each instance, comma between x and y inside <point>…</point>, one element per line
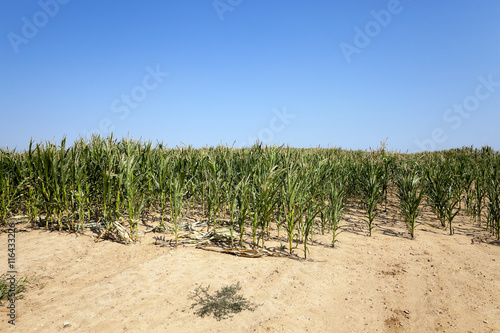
<point>384,283</point>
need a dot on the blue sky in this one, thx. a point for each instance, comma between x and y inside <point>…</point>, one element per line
<point>424,74</point>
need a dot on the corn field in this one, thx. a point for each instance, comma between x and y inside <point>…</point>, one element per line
<point>297,192</point>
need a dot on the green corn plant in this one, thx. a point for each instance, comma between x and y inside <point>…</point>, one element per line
<point>493,195</point>
<point>33,198</point>
<point>314,196</point>
<point>134,194</point>
<point>234,201</point>
<point>436,193</point>
<point>177,193</point>
<point>319,175</point>
<point>254,201</point>
<point>311,210</point>
<point>62,179</point>
<point>479,190</point>
<point>233,208</point>
<point>225,160</point>
<point>354,184</point>
<point>453,200</point>
<point>386,178</point>
<point>147,164</point>
<point>77,184</point>
<point>191,188</point>
<point>279,217</point>
<point>292,202</point>
<point>243,197</point>
<point>485,160</point>
<point>8,188</point>
<point>43,183</point>
<point>46,164</point>
<point>265,195</point>
<point>336,205</point>
<point>371,181</point>
<point>32,208</point>
<point>162,181</point>
<point>214,191</point>
<point>409,193</point>
<point>192,184</point>
<point>254,216</point>
<point>466,184</point>
<point>106,162</point>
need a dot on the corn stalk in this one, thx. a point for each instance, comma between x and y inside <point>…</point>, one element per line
<point>409,193</point>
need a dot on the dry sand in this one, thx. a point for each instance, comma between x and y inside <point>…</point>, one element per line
<point>383,283</point>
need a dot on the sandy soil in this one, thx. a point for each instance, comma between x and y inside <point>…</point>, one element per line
<point>383,283</point>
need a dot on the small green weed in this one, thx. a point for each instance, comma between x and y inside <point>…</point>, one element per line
<point>222,304</point>
<point>18,288</point>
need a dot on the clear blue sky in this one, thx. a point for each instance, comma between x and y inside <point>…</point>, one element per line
<point>424,74</point>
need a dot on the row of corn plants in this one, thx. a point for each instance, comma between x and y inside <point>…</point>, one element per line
<point>297,192</point>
